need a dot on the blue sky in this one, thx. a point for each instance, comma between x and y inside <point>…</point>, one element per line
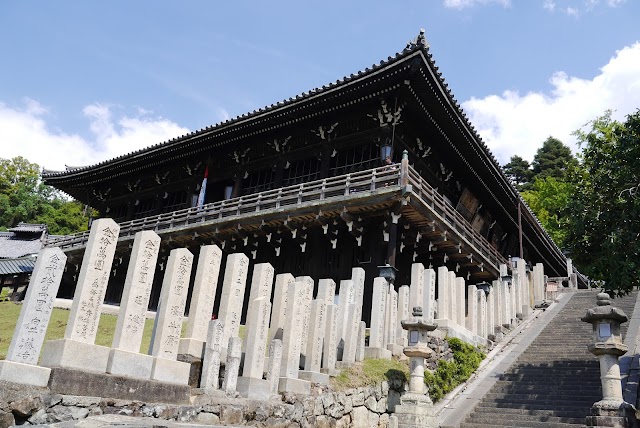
<point>86,81</point>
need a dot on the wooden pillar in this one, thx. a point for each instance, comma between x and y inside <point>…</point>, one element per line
<point>237,185</point>
<point>325,162</point>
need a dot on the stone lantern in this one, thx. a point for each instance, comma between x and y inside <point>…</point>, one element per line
<point>607,346</point>
<point>416,408</point>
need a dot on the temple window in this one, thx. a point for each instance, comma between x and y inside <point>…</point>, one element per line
<point>145,208</point>
<point>355,159</point>
<point>175,201</point>
<point>301,171</point>
<point>258,181</point>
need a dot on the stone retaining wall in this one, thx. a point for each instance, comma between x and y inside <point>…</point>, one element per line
<point>358,407</point>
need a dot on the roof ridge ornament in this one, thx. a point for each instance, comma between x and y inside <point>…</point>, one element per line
<point>419,42</point>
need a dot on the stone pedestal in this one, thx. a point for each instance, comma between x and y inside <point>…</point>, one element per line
<point>254,389</point>
<point>171,371</point>
<point>130,364</point>
<point>415,411</point>
<point>11,371</point>
<point>370,352</point>
<point>315,377</point>
<point>75,355</point>
<point>295,386</point>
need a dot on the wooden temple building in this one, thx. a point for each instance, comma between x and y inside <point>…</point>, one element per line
<point>380,168</point>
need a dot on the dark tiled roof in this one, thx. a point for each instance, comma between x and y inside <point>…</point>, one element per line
<point>29,227</point>
<point>15,266</point>
<point>419,43</point>
<point>12,246</point>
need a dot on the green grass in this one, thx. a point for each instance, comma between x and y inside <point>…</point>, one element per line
<point>10,311</point>
<point>370,372</point>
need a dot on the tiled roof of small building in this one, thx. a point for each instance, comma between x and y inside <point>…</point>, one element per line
<point>23,240</point>
<point>16,266</point>
<point>29,227</point>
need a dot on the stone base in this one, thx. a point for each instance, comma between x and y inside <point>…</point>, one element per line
<point>25,374</point>
<point>377,353</point>
<point>170,371</point>
<point>193,347</point>
<point>78,382</point>
<point>342,365</point>
<point>330,372</point>
<point>412,416</point>
<point>295,386</point>
<point>497,337</point>
<point>612,414</point>
<point>255,389</point>
<point>195,373</point>
<point>448,328</point>
<point>396,350</point>
<point>314,377</point>
<point>129,364</point>
<point>75,355</point>
<point>526,311</point>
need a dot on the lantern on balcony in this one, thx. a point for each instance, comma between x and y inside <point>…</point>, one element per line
<point>386,153</point>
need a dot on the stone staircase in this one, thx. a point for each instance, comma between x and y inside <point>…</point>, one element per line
<point>555,380</point>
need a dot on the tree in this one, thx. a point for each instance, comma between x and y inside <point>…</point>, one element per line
<point>519,171</point>
<point>604,233</point>
<point>553,159</point>
<point>548,198</point>
<point>23,198</point>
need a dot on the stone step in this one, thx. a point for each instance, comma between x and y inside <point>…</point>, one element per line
<point>561,409</point>
<point>566,413</point>
<point>555,381</point>
<point>542,398</point>
<point>485,418</point>
<point>518,424</point>
<point>528,388</point>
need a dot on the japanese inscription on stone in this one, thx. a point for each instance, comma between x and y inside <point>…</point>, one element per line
<point>92,281</point>
<point>136,293</point>
<point>173,298</point>
<point>37,306</point>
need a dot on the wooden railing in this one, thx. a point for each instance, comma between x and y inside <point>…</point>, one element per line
<point>319,190</point>
<point>452,218</point>
<point>387,177</point>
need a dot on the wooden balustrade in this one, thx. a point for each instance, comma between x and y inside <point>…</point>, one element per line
<point>392,176</point>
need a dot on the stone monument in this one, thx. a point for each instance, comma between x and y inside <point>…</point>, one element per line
<point>78,349</point>
<point>125,357</point>
<point>20,365</point>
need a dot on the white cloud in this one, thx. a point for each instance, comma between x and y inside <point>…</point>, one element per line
<point>512,123</point>
<point>24,132</point>
<point>462,4</point>
<point>572,11</point>
<point>575,7</point>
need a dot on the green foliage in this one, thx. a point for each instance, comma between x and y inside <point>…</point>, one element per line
<point>553,159</point>
<point>371,372</point>
<point>23,198</point>
<point>449,374</point>
<point>548,198</point>
<point>604,232</point>
<point>519,170</point>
